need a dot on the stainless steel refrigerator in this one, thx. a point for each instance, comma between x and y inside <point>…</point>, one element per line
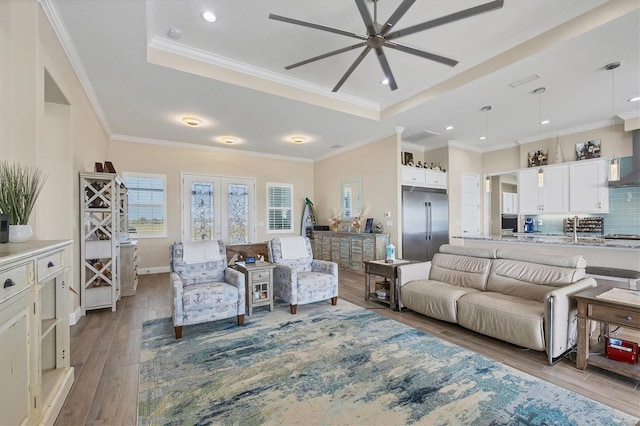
<point>425,222</point>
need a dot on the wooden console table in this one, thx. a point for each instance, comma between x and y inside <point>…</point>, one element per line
<point>608,312</point>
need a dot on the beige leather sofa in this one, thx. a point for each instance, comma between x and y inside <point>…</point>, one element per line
<point>521,298</point>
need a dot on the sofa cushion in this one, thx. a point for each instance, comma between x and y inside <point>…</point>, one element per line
<point>489,253</point>
<point>433,298</point>
<point>527,280</point>
<point>463,271</point>
<point>577,262</point>
<point>504,317</point>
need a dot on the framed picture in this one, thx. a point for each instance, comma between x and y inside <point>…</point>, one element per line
<point>407,158</point>
<point>368,225</point>
<point>588,149</point>
<point>537,158</point>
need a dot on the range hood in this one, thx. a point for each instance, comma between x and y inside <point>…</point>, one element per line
<point>633,178</point>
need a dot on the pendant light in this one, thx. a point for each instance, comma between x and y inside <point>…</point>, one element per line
<point>486,109</point>
<point>614,163</point>
<point>539,91</point>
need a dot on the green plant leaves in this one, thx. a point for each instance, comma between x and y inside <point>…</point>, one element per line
<point>19,189</point>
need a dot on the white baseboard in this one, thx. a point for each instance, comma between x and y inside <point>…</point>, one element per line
<point>154,270</point>
<point>75,316</point>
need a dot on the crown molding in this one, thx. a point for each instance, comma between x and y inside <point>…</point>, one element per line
<point>569,131</point>
<point>196,147</point>
<point>358,144</point>
<point>53,15</point>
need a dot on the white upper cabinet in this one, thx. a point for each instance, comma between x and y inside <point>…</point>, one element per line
<point>550,198</point>
<point>589,192</point>
<point>426,178</point>
<point>509,203</point>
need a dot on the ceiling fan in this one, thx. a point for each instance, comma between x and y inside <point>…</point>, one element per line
<point>379,36</point>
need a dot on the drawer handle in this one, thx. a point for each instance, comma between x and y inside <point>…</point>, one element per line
<point>9,283</point>
<point>50,264</point>
<point>628,318</point>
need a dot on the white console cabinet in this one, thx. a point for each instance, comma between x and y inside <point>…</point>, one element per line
<point>35,372</point>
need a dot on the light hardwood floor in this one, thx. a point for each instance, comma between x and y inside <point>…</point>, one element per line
<point>105,350</point>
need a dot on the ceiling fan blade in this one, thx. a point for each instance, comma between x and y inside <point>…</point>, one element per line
<point>396,16</point>
<point>316,26</point>
<point>386,69</point>
<point>324,55</point>
<point>352,68</point>
<point>487,7</point>
<point>432,56</point>
<point>366,17</point>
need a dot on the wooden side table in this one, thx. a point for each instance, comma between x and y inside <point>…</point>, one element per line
<point>259,284</point>
<point>608,312</point>
<point>386,270</point>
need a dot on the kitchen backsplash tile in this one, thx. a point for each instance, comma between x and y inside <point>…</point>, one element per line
<point>624,210</point>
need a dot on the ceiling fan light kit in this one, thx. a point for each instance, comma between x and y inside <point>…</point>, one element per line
<point>379,36</point>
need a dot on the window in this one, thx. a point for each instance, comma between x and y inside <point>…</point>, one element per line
<point>218,208</point>
<point>279,208</point>
<point>147,204</point>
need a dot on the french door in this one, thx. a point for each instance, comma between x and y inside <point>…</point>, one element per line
<point>218,208</point>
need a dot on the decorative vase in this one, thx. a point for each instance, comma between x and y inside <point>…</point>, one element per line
<point>19,233</point>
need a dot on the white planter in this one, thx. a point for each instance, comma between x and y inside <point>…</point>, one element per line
<point>19,233</point>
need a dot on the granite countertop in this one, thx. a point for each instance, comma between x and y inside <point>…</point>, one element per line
<point>557,240</point>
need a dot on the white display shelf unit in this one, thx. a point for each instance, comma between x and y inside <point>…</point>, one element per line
<point>104,225</point>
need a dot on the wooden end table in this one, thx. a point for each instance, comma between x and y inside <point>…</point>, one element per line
<point>388,271</point>
<point>608,312</point>
<point>258,279</point>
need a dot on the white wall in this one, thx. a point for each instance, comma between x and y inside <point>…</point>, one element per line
<point>171,161</point>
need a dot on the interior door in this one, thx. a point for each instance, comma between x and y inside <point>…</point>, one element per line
<point>218,208</point>
<point>470,204</point>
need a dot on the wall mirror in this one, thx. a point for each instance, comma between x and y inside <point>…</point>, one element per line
<point>351,196</point>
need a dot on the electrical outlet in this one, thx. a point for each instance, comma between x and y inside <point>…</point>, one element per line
<point>389,223</point>
<point>539,222</point>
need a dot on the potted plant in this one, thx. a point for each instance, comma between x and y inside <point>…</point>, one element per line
<point>19,189</point>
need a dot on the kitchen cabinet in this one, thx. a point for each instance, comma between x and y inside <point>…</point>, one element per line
<point>551,198</point>
<point>588,189</point>
<point>425,178</point>
<point>509,203</point>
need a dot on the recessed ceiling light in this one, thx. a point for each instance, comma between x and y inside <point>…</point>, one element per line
<point>298,139</point>
<point>385,81</point>
<point>175,33</point>
<point>545,122</point>
<point>229,140</point>
<point>192,121</point>
<point>482,138</point>
<point>208,16</point>
<point>636,99</point>
<point>449,128</point>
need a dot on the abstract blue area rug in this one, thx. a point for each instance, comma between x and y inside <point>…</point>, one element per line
<point>337,365</point>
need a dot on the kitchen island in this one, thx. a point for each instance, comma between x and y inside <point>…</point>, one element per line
<point>623,254</point>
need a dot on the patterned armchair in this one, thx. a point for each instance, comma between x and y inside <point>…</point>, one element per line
<point>203,289</point>
<point>299,278</point>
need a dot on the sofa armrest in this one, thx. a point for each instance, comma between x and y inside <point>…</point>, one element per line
<point>324,266</point>
<point>412,272</point>
<point>560,311</point>
<point>177,310</point>
<point>236,279</point>
<point>285,278</point>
